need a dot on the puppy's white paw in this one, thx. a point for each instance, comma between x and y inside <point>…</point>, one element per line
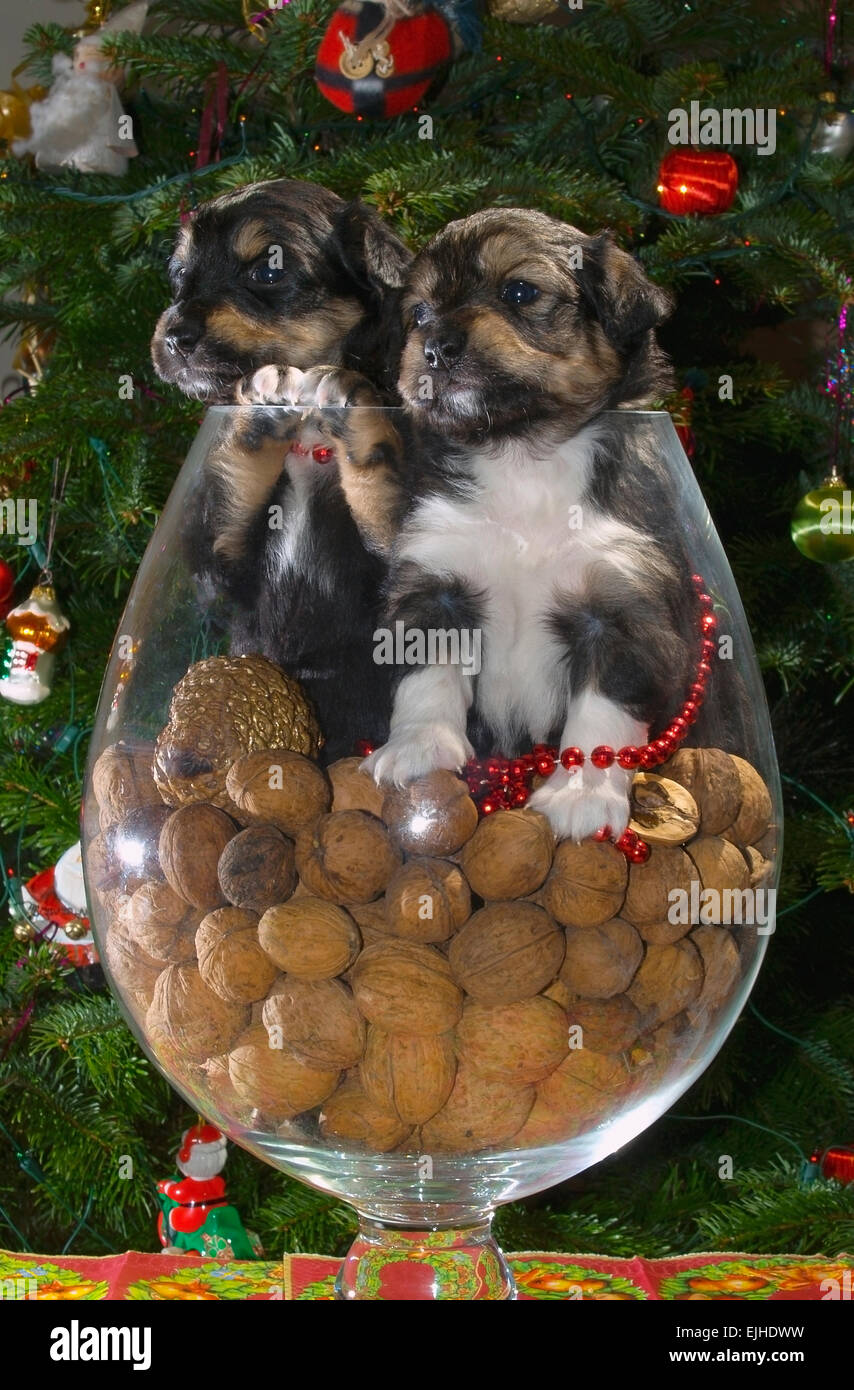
<point>271,386</point>
<point>415,750</point>
<point>578,804</point>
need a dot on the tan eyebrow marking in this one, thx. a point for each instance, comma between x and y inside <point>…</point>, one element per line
<point>252,240</point>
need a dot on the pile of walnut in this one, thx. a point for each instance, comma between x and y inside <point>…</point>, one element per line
<point>400,976</point>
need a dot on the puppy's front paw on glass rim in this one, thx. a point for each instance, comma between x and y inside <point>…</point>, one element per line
<point>578,804</point>
<point>419,750</point>
<point>271,386</point>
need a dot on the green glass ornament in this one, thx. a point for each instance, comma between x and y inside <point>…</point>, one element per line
<point>823,523</point>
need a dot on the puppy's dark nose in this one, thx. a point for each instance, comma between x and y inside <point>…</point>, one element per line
<point>445,349</point>
<point>181,339</point>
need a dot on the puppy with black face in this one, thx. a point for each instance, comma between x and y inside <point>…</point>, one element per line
<point>283,273</point>
<point>272,282</point>
<point>540,523</point>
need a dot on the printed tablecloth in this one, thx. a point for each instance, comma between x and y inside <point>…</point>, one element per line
<point>144,1276</point>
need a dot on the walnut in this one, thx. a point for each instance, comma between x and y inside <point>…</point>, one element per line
<point>721,970</point>
<point>587,883</point>
<point>648,897</point>
<point>405,987</point>
<point>162,924</point>
<point>317,1019</point>
<point>760,868</point>
<point>607,1025</point>
<point>352,1116</point>
<point>275,1079</point>
<point>479,1113</point>
<point>723,869</point>
<point>663,811</point>
<point>426,900</point>
<point>346,856</point>
<point>601,961</point>
<point>669,979</point>
<point>122,780</point>
<point>432,815</point>
<point>506,951</point>
<point>276,787</point>
<point>191,842</point>
<point>354,790</point>
<point>509,855</point>
<point>256,869</point>
<point>310,938</point>
<point>134,971</point>
<point>582,1091</point>
<point>409,1074</point>
<point>754,812</point>
<point>231,961</point>
<point>520,1042</point>
<point>711,777</point>
<point>188,1018</point>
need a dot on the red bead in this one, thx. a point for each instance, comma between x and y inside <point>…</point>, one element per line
<point>708,623</point>
<point>705,600</point>
<point>519,796</point>
<point>572,757</point>
<point>488,805</point>
<point>707,650</point>
<point>504,779</point>
<point>493,767</point>
<point>667,743</point>
<point>690,711</point>
<point>662,748</point>
<point>629,756</point>
<point>648,756</point>
<point>545,765</point>
<point>539,750</point>
<point>602,756</point>
<point>698,581</point>
<point>678,727</point>
<point>529,761</point>
<point>697,692</point>
<point>364,747</point>
<point>639,853</point>
<point>704,670</point>
<point>517,769</point>
<point>627,840</point>
<point>321,454</point>
<point>603,833</point>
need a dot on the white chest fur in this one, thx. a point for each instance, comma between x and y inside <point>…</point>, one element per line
<point>525,534</point>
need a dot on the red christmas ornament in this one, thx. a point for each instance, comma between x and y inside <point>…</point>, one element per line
<point>700,181</point>
<point>836,1162</point>
<point>7,588</point>
<point>371,65</point>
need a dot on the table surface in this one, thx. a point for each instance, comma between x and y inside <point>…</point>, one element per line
<point>137,1275</point>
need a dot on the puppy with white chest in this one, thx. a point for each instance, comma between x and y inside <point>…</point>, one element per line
<point>537,521</point>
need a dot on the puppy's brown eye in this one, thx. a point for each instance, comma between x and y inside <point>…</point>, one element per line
<point>266,274</point>
<point>420,315</point>
<point>519,292</point>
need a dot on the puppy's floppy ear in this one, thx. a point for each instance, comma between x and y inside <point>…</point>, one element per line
<point>370,252</point>
<point>626,303</point>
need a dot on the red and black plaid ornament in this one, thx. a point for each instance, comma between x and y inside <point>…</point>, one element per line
<point>371,63</point>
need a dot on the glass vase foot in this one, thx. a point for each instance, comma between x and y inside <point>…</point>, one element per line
<point>387,1263</point>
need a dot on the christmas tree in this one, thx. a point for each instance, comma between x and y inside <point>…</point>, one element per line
<point>569,114</point>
